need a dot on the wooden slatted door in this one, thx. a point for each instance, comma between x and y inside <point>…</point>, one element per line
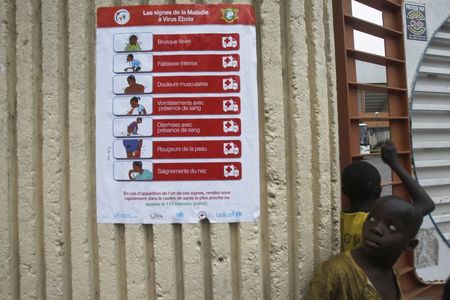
<point>373,101</point>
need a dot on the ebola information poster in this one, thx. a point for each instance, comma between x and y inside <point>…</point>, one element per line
<point>176,114</point>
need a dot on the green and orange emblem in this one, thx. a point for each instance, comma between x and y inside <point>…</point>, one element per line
<point>229,15</point>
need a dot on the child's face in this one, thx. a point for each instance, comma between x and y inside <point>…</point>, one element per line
<point>137,168</point>
<point>133,40</point>
<point>387,230</point>
<point>133,103</point>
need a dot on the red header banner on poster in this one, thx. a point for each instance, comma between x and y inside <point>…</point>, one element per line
<point>179,14</point>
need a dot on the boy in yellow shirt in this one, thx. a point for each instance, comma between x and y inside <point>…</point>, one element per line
<point>361,183</point>
<point>366,272</point>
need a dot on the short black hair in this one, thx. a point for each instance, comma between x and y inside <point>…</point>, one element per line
<point>130,55</point>
<point>361,180</point>
<point>134,99</point>
<point>131,77</point>
<point>133,36</point>
<point>137,163</point>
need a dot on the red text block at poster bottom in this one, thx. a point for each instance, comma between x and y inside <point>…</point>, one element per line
<point>197,171</point>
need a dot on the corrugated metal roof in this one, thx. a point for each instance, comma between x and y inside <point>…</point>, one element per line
<point>430,128</point>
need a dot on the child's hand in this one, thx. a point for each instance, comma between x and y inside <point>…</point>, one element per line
<point>388,152</point>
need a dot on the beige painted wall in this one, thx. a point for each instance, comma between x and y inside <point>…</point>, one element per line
<point>50,244</point>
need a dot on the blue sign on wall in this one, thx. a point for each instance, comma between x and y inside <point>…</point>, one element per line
<point>416,25</point>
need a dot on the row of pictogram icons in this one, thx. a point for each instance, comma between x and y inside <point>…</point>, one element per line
<point>137,133</point>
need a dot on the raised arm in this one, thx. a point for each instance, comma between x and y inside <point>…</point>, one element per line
<point>422,202</point>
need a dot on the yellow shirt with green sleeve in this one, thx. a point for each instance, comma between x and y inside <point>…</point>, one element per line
<point>341,278</point>
<point>351,230</point>
<point>130,47</point>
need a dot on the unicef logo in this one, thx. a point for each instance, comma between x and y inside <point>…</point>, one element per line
<point>122,16</point>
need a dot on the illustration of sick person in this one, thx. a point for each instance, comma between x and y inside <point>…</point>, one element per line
<point>139,173</point>
<point>133,44</point>
<point>133,127</point>
<point>133,147</point>
<point>133,86</point>
<point>134,65</point>
<point>136,108</point>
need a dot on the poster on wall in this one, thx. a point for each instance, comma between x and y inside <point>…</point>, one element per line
<point>416,22</point>
<point>177,138</point>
